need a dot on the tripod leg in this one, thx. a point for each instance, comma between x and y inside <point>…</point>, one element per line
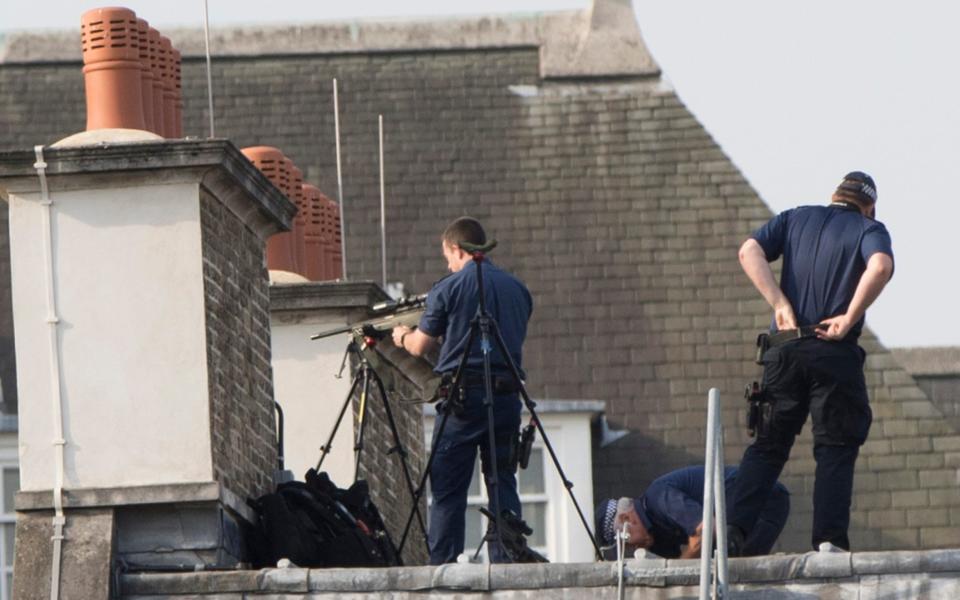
<point>483,321</point>
<point>398,448</point>
<point>422,487</point>
<point>492,475</point>
<point>325,449</point>
<point>543,435</point>
<point>437,435</point>
<point>364,392</point>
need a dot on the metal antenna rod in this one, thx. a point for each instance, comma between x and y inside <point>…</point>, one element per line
<point>383,211</point>
<point>343,212</point>
<point>206,38</point>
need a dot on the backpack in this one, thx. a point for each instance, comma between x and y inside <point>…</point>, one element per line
<point>317,524</point>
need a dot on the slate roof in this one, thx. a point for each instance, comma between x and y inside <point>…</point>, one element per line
<point>609,199</point>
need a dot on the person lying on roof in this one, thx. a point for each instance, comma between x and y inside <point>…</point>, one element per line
<point>667,519</point>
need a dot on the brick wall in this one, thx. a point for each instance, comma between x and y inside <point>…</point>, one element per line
<point>243,425</point>
<point>609,199</point>
<point>944,391</point>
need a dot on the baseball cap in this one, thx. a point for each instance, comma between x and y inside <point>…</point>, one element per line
<point>860,185</point>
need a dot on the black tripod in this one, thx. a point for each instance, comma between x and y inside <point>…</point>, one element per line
<point>361,380</point>
<point>484,325</point>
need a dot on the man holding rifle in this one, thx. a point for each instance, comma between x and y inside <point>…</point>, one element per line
<point>836,261</point>
<point>451,305</point>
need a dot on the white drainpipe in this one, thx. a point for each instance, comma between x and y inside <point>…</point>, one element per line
<point>56,400</point>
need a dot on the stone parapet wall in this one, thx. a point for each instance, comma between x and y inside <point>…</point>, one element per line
<point>866,576</point>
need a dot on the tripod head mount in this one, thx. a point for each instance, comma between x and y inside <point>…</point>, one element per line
<point>478,251</point>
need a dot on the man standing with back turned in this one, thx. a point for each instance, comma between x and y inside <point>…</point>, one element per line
<point>451,305</point>
<point>836,261</point>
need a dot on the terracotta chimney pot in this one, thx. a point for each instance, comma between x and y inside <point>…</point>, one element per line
<point>314,249</point>
<point>177,96</point>
<point>324,232</point>
<point>296,188</point>
<point>111,68</point>
<point>155,51</point>
<point>335,251</point>
<point>275,166</point>
<point>146,73</point>
<point>169,94</point>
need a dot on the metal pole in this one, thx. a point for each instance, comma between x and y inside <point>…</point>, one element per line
<point>383,211</point>
<point>343,212</point>
<point>206,39</point>
<point>721,503</point>
<point>706,544</point>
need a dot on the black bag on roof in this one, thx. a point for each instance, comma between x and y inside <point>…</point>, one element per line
<point>317,524</point>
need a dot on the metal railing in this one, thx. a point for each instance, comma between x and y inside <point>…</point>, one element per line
<point>714,505</point>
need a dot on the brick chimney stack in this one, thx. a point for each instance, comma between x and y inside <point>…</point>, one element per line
<point>154,253</point>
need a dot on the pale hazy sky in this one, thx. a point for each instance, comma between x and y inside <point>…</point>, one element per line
<point>796,93</point>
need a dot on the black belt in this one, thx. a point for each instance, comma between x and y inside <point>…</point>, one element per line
<point>502,384</point>
<point>788,335</point>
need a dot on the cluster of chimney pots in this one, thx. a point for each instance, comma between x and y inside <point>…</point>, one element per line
<point>132,79</point>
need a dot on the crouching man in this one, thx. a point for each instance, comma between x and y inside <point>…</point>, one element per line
<point>667,518</point>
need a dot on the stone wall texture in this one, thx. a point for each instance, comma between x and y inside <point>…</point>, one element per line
<point>237,303</point>
<point>608,198</point>
<point>829,576</point>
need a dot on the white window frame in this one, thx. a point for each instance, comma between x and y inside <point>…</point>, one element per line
<point>6,519</point>
<point>476,501</point>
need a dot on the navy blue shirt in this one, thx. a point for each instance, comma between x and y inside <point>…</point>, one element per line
<point>825,250</point>
<point>452,304</point>
<point>672,507</point>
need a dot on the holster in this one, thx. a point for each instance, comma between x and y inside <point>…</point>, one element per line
<point>525,445</point>
<point>763,344</point>
<point>759,410</point>
<point>454,400</point>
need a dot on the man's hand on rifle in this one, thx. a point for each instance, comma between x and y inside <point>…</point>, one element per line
<point>413,340</point>
<point>399,333</point>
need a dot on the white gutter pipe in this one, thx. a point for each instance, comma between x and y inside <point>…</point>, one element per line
<point>59,520</point>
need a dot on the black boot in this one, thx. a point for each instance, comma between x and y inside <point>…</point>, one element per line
<point>735,541</point>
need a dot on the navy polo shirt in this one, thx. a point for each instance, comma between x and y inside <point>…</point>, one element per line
<point>672,507</point>
<point>825,250</point>
<point>452,304</point>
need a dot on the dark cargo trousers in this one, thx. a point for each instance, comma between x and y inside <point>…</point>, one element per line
<point>454,456</point>
<point>826,380</point>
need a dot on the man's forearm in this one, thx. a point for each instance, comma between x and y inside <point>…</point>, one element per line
<point>418,343</point>
<point>874,279</point>
<point>755,265</point>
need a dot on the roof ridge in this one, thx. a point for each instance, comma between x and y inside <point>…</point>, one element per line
<point>601,41</point>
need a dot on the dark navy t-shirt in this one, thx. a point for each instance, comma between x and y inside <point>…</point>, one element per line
<point>672,507</point>
<point>452,304</point>
<point>825,250</point>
